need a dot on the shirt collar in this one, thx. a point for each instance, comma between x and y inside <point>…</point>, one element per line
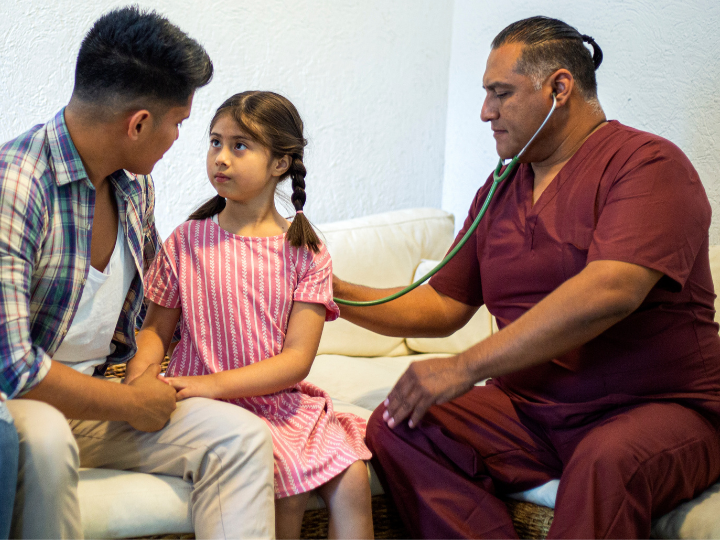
<point>122,181</point>
<point>64,156</point>
<point>66,160</point>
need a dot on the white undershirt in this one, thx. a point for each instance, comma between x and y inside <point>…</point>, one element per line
<point>89,338</point>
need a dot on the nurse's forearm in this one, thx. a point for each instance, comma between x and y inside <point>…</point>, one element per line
<point>423,312</point>
<point>583,307</point>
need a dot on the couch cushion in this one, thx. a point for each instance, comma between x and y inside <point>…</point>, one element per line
<point>380,251</point>
<point>476,329</point>
<point>125,504</point>
<point>698,518</point>
<point>364,382</point>
<point>128,504</point>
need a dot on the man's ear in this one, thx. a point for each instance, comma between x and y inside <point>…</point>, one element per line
<point>281,165</point>
<point>138,123</point>
<point>563,84</point>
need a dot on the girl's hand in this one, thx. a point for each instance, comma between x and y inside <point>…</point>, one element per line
<point>193,386</point>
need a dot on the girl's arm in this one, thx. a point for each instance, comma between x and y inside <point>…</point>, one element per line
<point>153,340</point>
<point>272,374</point>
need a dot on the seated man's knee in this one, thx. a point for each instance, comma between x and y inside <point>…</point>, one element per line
<point>604,456</point>
<point>255,432</point>
<point>48,449</point>
<point>224,424</point>
<point>250,427</point>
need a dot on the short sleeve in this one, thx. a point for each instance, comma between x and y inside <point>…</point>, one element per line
<point>162,285</point>
<point>460,277</point>
<point>656,213</point>
<point>315,281</point>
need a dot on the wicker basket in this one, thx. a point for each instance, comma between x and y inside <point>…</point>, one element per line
<point>117,371</point>
<point>530,520</point>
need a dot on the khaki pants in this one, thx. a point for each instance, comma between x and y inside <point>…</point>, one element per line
<point>224,450</point>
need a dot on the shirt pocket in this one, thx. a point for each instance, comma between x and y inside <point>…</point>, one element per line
<point>575,245</point>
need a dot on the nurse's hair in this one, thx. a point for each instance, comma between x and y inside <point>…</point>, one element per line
<point>549,45</point>
<point>273,121</point>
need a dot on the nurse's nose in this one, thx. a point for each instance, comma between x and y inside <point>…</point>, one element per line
<point>488,111</point>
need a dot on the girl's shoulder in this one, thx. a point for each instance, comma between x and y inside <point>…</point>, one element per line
<point>190,227</point>
<point>309,259</point>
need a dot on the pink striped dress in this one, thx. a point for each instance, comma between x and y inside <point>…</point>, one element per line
<point>236,294</point>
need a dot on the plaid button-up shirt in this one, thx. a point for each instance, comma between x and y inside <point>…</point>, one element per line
<point>46,214</point>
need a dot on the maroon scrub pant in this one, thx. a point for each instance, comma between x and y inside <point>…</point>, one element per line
<point>616,472</point>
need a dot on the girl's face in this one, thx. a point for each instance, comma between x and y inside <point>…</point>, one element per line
<point>241,169</point>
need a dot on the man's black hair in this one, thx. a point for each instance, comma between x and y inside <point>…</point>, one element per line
<point>551,44</point>
<point>132,55</point>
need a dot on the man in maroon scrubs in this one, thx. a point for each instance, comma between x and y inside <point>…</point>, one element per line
<point>593,257</point>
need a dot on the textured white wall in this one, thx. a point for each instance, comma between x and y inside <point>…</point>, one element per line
<point>661,73</point>
<point>369,78</point>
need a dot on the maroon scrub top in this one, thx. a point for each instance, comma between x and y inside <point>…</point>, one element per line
<point>625,195</point>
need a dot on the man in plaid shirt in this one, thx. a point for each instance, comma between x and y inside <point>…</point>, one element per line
<point>77,232</point>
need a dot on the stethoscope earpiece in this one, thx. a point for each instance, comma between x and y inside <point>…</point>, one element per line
<point>497,178</point>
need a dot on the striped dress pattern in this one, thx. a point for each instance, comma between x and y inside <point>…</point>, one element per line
<point>236,294</point>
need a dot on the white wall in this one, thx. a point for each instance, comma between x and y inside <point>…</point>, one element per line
<point>368,77</point>
<point>661,73</point>
<point>388,127</point>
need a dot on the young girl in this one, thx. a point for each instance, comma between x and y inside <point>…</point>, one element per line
<point>253,291</point>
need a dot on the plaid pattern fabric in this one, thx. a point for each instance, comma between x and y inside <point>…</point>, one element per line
<point>46,213</point>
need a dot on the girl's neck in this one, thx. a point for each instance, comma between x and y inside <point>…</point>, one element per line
<point>245,219</point>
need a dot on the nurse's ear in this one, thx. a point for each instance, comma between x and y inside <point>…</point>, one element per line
<point>563,84</point>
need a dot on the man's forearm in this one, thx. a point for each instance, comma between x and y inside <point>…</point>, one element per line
<point>576,312</point>
<point>422,312</point>
<point>81,397</point>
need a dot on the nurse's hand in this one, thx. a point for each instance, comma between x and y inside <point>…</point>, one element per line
<point>424,384</point>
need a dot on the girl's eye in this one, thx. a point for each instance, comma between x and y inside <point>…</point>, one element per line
<point>240,146</point>
<point>214,143</point>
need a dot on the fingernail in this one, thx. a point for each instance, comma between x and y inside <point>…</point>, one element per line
<point>386,402</point>
<point>411,423</point>
<point>391,422</point>
<point>386,415</point>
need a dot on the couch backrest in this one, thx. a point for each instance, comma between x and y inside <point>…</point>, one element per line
<point>385,250</point>
<point>382,250</point>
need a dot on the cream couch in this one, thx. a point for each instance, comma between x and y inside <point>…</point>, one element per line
<point>357,368</point>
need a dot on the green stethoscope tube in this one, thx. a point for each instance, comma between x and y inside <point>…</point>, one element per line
<point>497,178</point>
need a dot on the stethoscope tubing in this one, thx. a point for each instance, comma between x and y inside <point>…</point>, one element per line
<point>498,177</point>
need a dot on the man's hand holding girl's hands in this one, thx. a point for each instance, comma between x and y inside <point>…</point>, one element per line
<point>154,401</point>
<point>426,383</point>
<point>193,386</point>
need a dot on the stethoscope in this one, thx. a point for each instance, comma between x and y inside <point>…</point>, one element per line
<point>498,177</point>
